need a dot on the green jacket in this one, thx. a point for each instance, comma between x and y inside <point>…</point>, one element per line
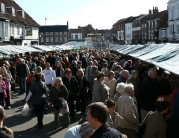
<point>55,94</point>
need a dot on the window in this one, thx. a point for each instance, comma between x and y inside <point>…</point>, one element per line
<point>2,7</point>
<point>172,14</point>
<point>22,30</point>
<point>42,39</point>
<point>21,13</point>
<point>41,33</point>
<point>171,29</point>
<point>76,36</point>
<point>149,35</point>
<point>65,39</point>
<point>149,25</point>
<point>71,36</point>
<point>65,33</point>
<point>145,25</point>
<point>51,39</point>
<point>155,23</point>
<point>47,33</point>
<point>6,29</point>
<point>11,10</point>
<point>145,35</point>
<point>51,33</point>
<point>17,26</point>
<point>28,31</point>
<point>61,39</point>
<point>152,25</point>
<point>2,29</point>
<point>177,28</point>
<point>47,39</point>
<point>56,39</point>
<point>12,29</point>
<point>60,33</point>
<point>56,33</point>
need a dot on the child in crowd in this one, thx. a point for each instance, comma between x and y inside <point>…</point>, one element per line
<point>3,94</point>
<point>29,81</point>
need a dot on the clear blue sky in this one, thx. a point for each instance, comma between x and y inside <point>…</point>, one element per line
<point>102,14</point>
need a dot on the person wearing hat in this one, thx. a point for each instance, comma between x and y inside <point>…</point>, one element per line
<point>79,131</point>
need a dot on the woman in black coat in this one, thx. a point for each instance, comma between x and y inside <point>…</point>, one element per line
<point>82,97</point>
<point>73,88</point>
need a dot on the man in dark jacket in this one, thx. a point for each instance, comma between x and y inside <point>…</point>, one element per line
<point>148,93</point>
<point>97,117</point>
<point>22,72</point>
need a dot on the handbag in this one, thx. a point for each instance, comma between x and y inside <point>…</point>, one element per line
<point>57,104</point>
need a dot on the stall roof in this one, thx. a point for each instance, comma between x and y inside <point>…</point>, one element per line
<point>165,56</point>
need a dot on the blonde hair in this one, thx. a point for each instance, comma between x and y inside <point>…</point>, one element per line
<point>38,69</point>
<point>5,70</point>
<point>58,79</point>
<point>81,71</point>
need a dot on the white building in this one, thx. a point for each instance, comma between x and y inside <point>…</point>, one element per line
<point>173,20</point>
<point>128,27</point>
<point>16,26</point>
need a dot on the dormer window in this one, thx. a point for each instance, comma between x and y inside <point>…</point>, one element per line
<point>11,10</point>
<point>21,13</point>
<point>2,7</point>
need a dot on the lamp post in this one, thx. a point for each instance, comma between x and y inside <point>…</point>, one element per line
<point>45,32</point>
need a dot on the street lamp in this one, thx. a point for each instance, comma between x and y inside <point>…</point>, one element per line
<point>45,32</point>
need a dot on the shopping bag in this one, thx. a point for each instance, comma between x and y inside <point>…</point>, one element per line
<point>65,108</point>
<point>26,110</point>
<point>64,102</point>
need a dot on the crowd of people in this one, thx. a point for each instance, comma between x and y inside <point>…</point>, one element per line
<point>115,91</point>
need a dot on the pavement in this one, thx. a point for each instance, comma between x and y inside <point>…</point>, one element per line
<point>24,127</point>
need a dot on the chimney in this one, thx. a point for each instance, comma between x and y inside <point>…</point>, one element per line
<point>150,12</point>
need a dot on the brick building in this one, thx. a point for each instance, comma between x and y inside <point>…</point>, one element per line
<point>53,34</point>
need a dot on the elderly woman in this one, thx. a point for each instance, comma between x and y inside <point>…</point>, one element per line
<point>127,109</point>
<point>58,92</point>
<point>6,79</point>
<point>73,88</point>
<point>38,90</point>
<point>111,82</point>
<point>100,89</point>
<point>120,91</point>
<point>81,98</point>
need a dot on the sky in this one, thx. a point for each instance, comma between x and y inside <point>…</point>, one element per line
<point>102,14</point>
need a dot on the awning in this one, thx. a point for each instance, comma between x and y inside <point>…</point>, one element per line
<point>165,56</point>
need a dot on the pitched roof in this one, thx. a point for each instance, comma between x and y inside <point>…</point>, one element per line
<point>17,18</point>
<point>54,28</point>
<point>160,14</point>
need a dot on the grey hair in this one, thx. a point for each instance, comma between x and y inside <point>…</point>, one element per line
<point>74,62</point>
<point>110,73</point>
<point>120,87</point>
<point>123,72</point>
<point>151,70</point>
<point>129,88</point>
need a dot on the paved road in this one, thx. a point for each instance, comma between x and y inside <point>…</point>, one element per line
<point>23,127</point>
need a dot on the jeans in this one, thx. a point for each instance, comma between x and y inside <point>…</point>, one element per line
<point>39,110</point>
<point>22,84</point>
<point>56,118</point>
